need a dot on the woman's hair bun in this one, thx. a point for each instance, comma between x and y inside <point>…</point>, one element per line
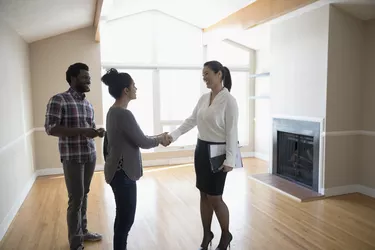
<point>110,76</point>
<point>112,71</point>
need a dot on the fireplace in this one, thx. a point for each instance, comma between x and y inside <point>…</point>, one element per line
<point>296,151</point>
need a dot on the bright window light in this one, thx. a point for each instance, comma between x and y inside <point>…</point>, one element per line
<point>171,83</point>
<point>240,90</point>
<point>178,42</point>
<point>149,46</point>
<point>127,40</point>
<point>228,54</point>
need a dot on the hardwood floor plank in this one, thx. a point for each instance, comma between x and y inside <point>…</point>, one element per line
<point>168,215</point>
<point>325,225</point>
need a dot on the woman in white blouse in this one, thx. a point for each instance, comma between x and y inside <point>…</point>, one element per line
<point>216,116</point>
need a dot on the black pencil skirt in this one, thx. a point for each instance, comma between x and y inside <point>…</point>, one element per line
<point>207,181</point>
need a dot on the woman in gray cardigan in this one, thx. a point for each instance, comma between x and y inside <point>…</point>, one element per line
<point>123,162</point>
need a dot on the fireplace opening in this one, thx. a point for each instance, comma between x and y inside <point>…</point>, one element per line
<point>295,155</point>
<point>295,158</point>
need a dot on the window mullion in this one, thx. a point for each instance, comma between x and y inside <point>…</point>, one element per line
<point>156,101</point>
<point>202,84</point>
<point>156,80</point>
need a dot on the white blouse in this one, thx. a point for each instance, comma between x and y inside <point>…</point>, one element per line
<point>217,122</point>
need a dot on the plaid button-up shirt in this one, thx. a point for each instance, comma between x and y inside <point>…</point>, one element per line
<point>71,109</point>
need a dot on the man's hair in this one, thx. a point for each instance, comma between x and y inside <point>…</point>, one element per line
<point>74,70</point>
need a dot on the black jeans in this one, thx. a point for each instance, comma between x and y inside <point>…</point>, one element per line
<point>78,177</point>
<point>125,191</point>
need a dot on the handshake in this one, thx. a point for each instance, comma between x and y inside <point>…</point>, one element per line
<point>164,139</point>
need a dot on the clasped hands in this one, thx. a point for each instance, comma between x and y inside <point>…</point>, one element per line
<point>92,132</point>
<point>165,139</point>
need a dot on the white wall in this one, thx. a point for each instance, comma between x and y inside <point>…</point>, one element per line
<point>50,58</point>
<point>345,80</point>
<point>299,58</point>
<point>367,175</point>
<point>345,71</point>
<point>299,51</point>
<point>263,122</point>
<point>320,62</point>
<point>16,137</point>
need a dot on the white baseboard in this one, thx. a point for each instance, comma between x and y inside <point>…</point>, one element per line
<point>366,191</point>
<point>261,156</point>
<point>58,171</point>
<point>349,190</point>
<point>172,161</point>
<point>16,206</point>
<point>341,190</point>
<point>49,171</point>
<point>148,163</point>
<point>247,154</point>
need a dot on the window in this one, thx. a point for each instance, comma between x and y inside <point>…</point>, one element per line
<point>179,87</point>
<point>263,118</point>
<point>142,106</point>
<point>178,42</point>
<point>240,90</point>
<point>187,140</point>
<point>228,54</point>
<point>164,56</point>
<point>127,40</point>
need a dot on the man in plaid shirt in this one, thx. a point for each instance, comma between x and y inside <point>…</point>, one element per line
<point>70,117</point>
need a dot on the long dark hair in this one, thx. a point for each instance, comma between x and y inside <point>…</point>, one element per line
<point>116,82</point>
<point>216,66</point>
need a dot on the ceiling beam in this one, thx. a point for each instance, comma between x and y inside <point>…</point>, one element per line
<point>258,12</point>
<point>98,11</point>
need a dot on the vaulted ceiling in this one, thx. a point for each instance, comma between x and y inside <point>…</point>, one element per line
<point>38,19</point>
<point>201,13</point>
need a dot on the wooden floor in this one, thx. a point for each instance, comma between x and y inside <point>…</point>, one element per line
<point>168,215</point>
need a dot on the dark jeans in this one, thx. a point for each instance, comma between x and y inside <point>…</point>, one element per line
<point>77,178</point>
<point>125,191</point>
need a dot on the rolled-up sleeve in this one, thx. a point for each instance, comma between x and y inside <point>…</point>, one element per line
<point>93,117</point>
<point>53,113</point>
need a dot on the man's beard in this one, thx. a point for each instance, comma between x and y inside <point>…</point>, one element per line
<point>82,88</point>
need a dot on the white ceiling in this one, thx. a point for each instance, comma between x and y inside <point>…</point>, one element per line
<point>201,13</point>
<point>39,19</point>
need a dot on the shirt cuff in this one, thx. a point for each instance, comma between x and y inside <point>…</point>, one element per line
<point>175,134</point>
<point>230,162</point>
<point>49,127</point>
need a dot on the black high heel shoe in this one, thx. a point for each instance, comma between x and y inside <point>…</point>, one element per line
<point>209,242</point>
<point>227,244</point>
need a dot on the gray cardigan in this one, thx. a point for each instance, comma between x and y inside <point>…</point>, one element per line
<point>123,138</point>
